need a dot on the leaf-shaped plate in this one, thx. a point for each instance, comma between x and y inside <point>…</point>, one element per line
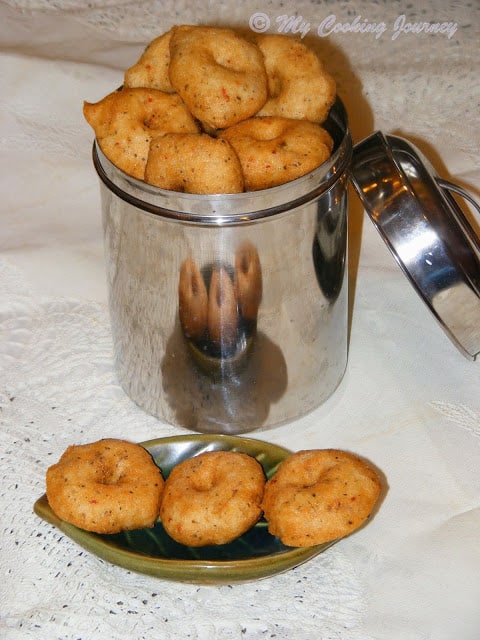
<point>257,554</point>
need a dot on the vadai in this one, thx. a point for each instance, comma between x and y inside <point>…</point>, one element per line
<point>274,150</point>
<point>192,300</point>
<point>193,163</point>
<point>220,76</point>
<point>298,84</point>
<point>126,120</point>
<point>106,486</point>
<point>248,281</point>
<point>212,498</point>
<point>222,310</point>
<point>317,496</point>
<point>151,70</point>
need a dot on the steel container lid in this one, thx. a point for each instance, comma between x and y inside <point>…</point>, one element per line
<point>427,232</point>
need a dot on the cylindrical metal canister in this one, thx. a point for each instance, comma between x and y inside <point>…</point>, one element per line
<point>229,312</point>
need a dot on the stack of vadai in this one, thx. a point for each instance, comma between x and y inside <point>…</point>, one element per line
<point>174,123</point>
<point>112,485</point>
<point>215,313</point>
<point>106,486</point>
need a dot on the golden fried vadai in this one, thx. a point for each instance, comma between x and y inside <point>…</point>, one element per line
<point>319,495</point>
<point>193,163</point>
<point>222,310</point>
<point>220,76</point>
<point>248,281</point>
<point>125,122</point>
<point>151,70</point>
<point>212,498</point>
<point>106,486</point>
<point>207,81</point>
<point>274,150</point>
<point>192,300</point>
<point>298,85</point>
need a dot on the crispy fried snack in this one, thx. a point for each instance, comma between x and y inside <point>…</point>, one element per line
<point>193,163</point>
<point>151,70</point>
<point>106,486</point>
<point>212,498</point>
<point>319,495</point>
<point>222,310</point>
<point>192,300</point>
<point>208,81</point>
<point>248,281</point>
<point>125,122</point>
<point>275,150</point>
<point>298,85</point>
<point>220,75</point>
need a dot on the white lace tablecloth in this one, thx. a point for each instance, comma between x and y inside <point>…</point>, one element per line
<point>409,401</point>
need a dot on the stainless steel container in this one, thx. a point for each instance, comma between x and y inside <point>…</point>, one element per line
<point>271,344</point>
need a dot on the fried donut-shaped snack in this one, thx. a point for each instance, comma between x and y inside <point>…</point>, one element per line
<point>222,310</point>
<point>275,150</point>
<point>193,163</point>
<point>319,495</point>
<point>212,498</point>
<point>192,300</point>
<point>151,70</point>
<point>208,81</point>
<point>125,122</point>
<point>248,281</point>
<point>220,76</point>
<point>106,486</point>
<point>298,85</point>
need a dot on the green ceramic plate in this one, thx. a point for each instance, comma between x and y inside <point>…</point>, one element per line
<point>255,555</point>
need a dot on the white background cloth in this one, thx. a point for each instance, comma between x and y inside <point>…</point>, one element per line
<point>410,401</point>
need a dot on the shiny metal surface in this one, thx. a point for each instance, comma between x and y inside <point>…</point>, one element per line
<point>428,234</point>
<point>257,363</point>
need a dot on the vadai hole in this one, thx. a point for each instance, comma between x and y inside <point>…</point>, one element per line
<point>226,62</point>
<point>203,483</point>
<point>274,86</point>
<point>112,475</point>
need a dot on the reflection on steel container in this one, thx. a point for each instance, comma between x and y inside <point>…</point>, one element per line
<point>229,312</point>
